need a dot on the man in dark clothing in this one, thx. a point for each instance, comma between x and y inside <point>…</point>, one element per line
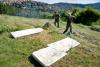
<point>56,19</point>
<point>70,19</point>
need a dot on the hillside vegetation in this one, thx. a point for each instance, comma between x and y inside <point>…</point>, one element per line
<point>17,52</point>
<point>30,8</point>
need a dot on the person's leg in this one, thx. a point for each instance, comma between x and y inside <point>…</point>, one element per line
<point>66,29</point>
<point>55,22</point>
<point>58,24</point>
<point>70,28</point>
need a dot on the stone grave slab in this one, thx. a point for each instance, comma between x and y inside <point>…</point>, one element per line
<point>64,44</point>
<point>54,51</point>
<point>48,56</point>
<point>21,33</point>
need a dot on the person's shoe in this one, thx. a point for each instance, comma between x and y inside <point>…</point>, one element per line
<point>63,32</point>
<point>72,32</point>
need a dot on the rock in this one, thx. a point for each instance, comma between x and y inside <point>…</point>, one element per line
<point>46,25</point>
<point>95,27</point>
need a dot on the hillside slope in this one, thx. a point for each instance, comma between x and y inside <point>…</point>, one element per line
<point>71,5</point>
<point>30,8</point>
<point>17,52</point>
<point>59,5</point>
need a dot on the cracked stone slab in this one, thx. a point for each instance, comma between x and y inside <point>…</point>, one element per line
<point>48,56</point>
<point>21,33</point>
<point>66,44</point>
<point>54,52</point>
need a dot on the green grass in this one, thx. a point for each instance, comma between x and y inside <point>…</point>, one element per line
<point>15,52</point>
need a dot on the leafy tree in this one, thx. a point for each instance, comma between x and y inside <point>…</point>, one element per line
<point>7,9</point>
<point>47,15</point>
<point>87,16</point>
<point>11,10</point>
<point>2,8</point>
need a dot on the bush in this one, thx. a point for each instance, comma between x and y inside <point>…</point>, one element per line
<point>7,9</point>
<point>96,23</point>
<point>63,14</point>
<point>87,16</point>
<point>47,16</point>
<point>11,10</point>
<point>7,28</point>
<point>2,8</point>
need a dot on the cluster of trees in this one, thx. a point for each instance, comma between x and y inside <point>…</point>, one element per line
<point>86,16</point>
<point>7,9</point>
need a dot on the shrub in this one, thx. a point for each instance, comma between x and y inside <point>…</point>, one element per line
<point>87,16</point>
<point>6,28</point>
<point>47,16</point>
<point>96,23</point>
<point>7,9</point>
<point>2,8</point>
<point>63,14</point>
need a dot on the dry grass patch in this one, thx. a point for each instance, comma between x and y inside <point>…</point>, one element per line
<point>44,36</point>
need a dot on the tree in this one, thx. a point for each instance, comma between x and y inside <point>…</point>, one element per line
<point>7,9</point>
<point>2,8</point>
<point>87,16</point>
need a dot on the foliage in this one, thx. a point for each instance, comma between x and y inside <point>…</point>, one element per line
<point>5,28</point>
<point>87,16</point>
<point>63,15</point>
<point>47,16</point>
<point>7,9</point>
<point>96,23</point>
<point>2,8</point>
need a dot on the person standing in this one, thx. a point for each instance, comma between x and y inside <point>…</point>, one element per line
<point>70,19</point>
<point>56,19</point>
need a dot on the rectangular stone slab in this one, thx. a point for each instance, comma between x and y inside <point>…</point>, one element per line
<point>54,51</point>
<point>48,56</point>
<point>64,44</point>
<point>21,33</point>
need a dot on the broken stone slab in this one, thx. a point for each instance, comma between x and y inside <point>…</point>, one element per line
<point>54,51</point>
<point>21,33</point>
<point>64,44</point>
<point>48,56</point>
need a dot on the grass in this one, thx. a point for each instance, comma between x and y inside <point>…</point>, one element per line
<point>16,52</point>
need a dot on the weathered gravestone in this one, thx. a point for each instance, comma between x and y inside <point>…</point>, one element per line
<point>66,44</point>
<point>21,33</point>
<point>54,51</point>
<point>48,56</point>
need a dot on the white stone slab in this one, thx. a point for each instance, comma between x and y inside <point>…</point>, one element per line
<point>64,44</point>
<point>21,33</point>
<point>48,56</point>
<point>54,51</point>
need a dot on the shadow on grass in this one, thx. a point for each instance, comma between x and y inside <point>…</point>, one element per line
<point>33,61</point>
<point>10,36</point>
